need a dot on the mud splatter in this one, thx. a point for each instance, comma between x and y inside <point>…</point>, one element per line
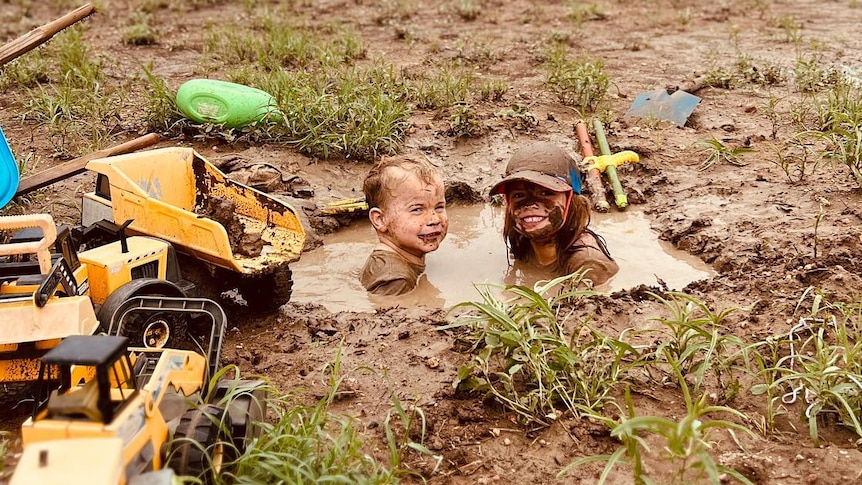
<point>223,211</point>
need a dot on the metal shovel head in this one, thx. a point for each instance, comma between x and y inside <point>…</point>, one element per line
<point>676,107</point>
<point>9,176</point>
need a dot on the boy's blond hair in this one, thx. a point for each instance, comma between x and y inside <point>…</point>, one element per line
<point>381,183</point>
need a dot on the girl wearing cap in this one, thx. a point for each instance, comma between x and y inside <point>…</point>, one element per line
<point>546,217</point>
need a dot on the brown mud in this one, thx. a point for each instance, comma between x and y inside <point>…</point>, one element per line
<point>761,233</point>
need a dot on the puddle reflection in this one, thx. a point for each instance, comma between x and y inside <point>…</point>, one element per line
<point>474,252</point>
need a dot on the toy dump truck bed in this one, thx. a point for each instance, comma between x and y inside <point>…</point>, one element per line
<point>177,195</point>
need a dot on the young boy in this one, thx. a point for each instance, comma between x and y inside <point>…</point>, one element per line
<point>407,208</point>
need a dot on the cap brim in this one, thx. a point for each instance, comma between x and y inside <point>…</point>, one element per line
<point>538,178</point>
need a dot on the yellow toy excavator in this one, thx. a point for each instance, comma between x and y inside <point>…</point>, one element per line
<point>126,414</point>
<point>49,290</point>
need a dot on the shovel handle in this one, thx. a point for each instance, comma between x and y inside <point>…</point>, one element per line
<point>594,176</point>
<point>620,198</point>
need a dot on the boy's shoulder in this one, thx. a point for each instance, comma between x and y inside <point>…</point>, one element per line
<point>383,258</point>
<point>388,268</point>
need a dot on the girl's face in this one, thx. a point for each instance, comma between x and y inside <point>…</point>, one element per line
<point>414,220</point>
<point>536,212</point>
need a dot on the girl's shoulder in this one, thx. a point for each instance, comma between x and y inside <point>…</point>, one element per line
<point>590,253</point>
<point>589,240</point>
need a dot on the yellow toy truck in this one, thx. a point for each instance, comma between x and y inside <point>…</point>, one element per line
<point>245,237</point>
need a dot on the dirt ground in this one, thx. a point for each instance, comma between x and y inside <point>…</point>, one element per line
<point>757,229</point>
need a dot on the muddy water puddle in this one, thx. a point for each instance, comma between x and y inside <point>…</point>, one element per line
<point>474,252</point>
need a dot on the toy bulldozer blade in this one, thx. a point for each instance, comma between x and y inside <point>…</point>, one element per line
<point>662,105</point>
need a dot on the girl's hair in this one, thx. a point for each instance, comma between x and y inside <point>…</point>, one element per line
<point>381,183</point>
<point>576,223</point>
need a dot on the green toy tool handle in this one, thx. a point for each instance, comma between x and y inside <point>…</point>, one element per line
<point>620,198</point>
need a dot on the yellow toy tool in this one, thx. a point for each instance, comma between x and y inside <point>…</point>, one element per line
<point>345,206</point>
<point>608,164</point>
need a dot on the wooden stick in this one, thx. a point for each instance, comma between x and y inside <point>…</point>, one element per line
<point>79,165</point>
<point>37,36</point>
<point>594,176</point>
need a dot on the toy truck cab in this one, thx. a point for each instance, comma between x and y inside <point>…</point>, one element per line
<point>95,376</point>
<point>93,389</point>
<point>98,397</point>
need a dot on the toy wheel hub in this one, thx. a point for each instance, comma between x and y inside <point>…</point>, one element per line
<point>156,333</point>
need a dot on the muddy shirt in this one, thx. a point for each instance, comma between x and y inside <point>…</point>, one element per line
<point>590,253</point>
<point>387,273</point>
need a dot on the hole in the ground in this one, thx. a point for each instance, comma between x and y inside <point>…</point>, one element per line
<point>474,252</point>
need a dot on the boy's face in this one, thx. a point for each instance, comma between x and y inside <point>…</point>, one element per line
<point>536,211</point>
<point>413,221</point>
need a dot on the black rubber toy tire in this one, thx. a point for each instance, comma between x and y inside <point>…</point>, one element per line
<point>199,448</point>
<point>145,287</point>
<point>268,292</point>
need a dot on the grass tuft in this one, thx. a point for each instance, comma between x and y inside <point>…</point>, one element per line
<point>579,83</point>
<point>528,362</point>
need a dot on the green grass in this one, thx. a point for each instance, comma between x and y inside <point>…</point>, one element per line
<point>309,445</point>
<point>580,13</point>
<point>526,359</point>
<point>464,122</point>
<point>493,90</point>
<point>140,30</point>
<point>811,74</point>
<point>717,152</point>
<point>519,117</point>
<point>839,127</point>
<point>440,88</point>
<point>275,43</point>
<point>66,91</point>
<point>26,71</point>
<point>582,83</point>
<point>797,159</point>
<point>790,28</point>
<point>356,113</point>
<point>760,72</point>
<point>395,11</point>
<point>333,106</point>
<point>302,443</point>
<point>468,10</point>
<point>162,113</point>
<point>532,358</point>
<point>821,369</point>
<point>695,342</point>
<point>686,442</point>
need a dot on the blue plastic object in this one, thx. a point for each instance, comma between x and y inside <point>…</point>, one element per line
<point>9,176</point>
<point>576,180</point>
<point>662,105</point>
